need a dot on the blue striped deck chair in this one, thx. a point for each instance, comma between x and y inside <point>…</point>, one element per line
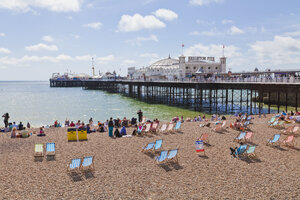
<point>274,124</point>
<point>148,147</point>
<point>240,150</point>
<point>162,157</point>
<point>50,149</point>
<point>240,137</point>
<point>274,140</point>
<point>87,163</point>
<point>158,145</point>
<point>75,164</point>
<point>173,155</point>
<point>272,120</point>
<point>178,126</point>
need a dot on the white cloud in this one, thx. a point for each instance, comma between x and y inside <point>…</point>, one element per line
<point>48,38</point>
<point>292,34</point>
<point>2,34</point>
<point>75,36</point>
<point>165,14</point>
<point>235,30</point>
<point>41,46</point>
<point>212,50</point>
<point>128,62</point>
<point>94,25</point>
<point>194,33</point>
<point>138,41</point>
<point>282,51</point>
<point>227,21</point>
<point>138,22</point>
<point>105,59</point>
<point>204,2</point>
<point>52,5</point>
<point>4,50</point>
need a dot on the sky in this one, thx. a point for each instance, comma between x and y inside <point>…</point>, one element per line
<point>40,37</point>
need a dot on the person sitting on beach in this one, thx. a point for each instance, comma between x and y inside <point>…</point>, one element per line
<point>67,123</point>
<point>42,133</point>
<point>117,133</point>
<point>199,118</point>
<point>15,125</point>
<point>123,130</point>
<point>133,121</point>
<point>223,118</point>
<point>101,128</point>
<point>181,119</point>
<point>55,123</point>
<point>91,121</point>
<point>28,125</point>
<point>81,125</point>
<point>124,122</point>
<point>88,129</point>
<point>14,132</point>
<point>21,126</point>
<point>188,119</point>
<point>72,124</point>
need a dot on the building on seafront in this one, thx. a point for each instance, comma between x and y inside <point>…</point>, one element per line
<point>178,69</point>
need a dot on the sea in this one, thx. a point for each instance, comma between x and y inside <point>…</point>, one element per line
<point>36,102</point>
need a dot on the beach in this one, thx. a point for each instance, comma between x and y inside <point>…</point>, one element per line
<point>122,171</point>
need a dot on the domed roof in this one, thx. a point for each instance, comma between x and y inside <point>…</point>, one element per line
<point>167,62</point>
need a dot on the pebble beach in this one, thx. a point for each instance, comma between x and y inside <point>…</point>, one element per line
<point>122,171</point>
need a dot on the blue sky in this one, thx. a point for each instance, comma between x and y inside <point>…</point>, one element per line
<point>39,37</point>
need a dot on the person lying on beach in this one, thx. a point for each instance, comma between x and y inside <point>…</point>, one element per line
<point>42,133</point>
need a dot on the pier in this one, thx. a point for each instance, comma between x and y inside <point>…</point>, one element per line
<point>222,97</point>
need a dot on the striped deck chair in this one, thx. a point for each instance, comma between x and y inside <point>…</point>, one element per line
<point>289,141</point>
<point>148,147</point>
<point>274,140</point>
<point>162,157</point>
<point>75,165</point>
<point>248,136</point>
<point>273,124</point>
<point>38,150</point>
<point>163,128</point>
<point>250,152</point>
<point>239,151</point>
<point>178,126</point>
<point>50,149</point>
<point>240,137</point>
<point>170,127</point>
<point>158,145</point>
<point>87,163</point>
<point>173,155</point>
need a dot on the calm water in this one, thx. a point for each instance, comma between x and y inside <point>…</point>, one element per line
<point>37,103</point>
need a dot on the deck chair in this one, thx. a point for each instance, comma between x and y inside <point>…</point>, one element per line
<point>170,127</point>
<point>274,140</point>
<point>162,157</point>
<point>289,130</point>
<point>148,147</point>
<point>274,124</point>
<point>172,156</point>
<point>272,120</point>
<point>154,127</point>
<point>163,128</point>
<point>38,150</point>
<point>178,126</point>
<point>250,152</point>
<point>280,125</point>
<point>204,137</point>
<point>147,129</point>
<point>158,145</point>
<point>75,165</point>
<point>87,163</point>
<point>289,141</point>
<point>50,149</point>
<point>239,151</point>
<point>240,137</point>
<point>248,136</point>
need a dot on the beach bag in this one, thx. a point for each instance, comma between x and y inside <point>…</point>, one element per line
<point>199,146</point>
